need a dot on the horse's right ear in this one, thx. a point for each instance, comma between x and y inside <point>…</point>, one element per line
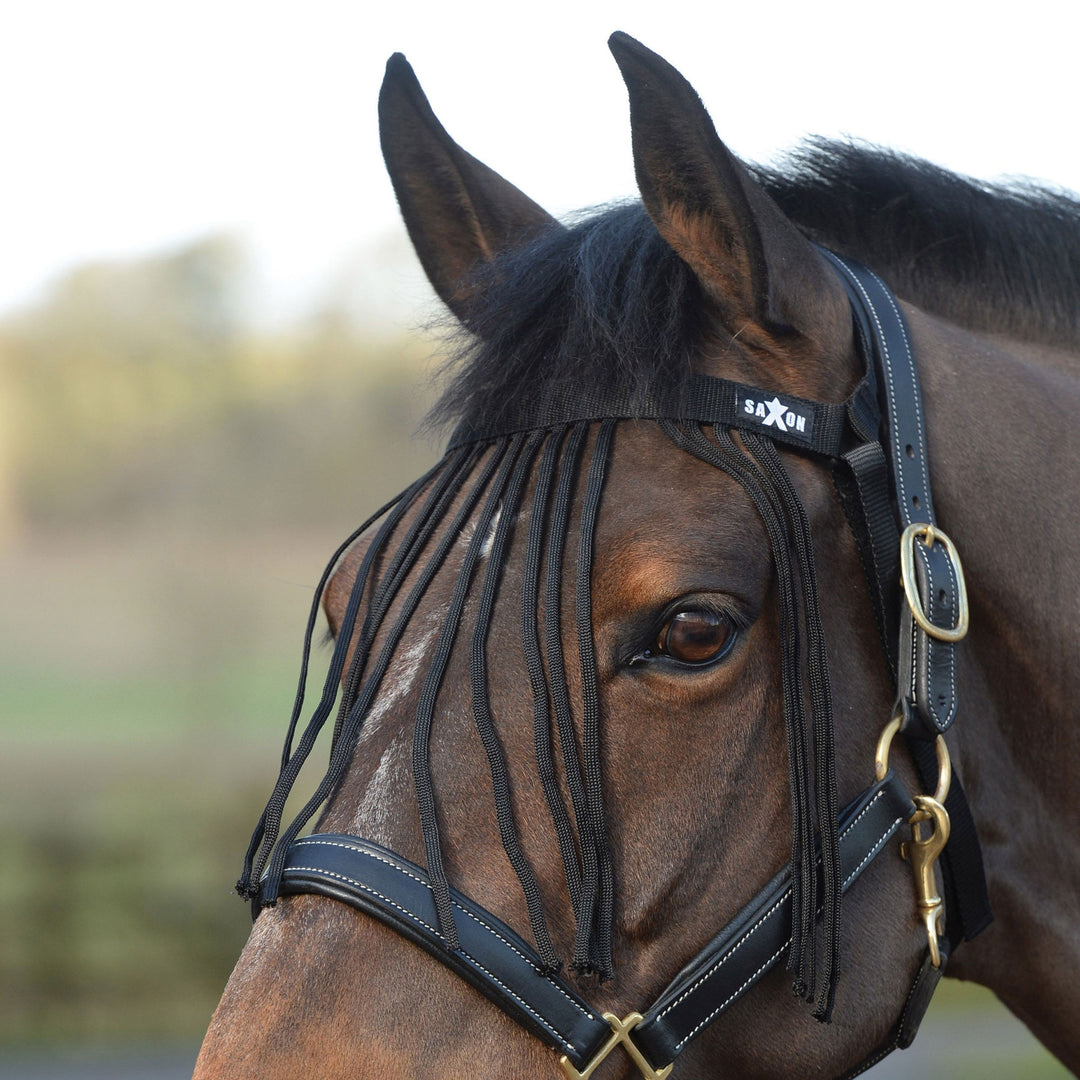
<point>459,213</point>
<point>754,266</point>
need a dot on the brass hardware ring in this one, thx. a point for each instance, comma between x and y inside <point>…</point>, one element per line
<point>881,758</point>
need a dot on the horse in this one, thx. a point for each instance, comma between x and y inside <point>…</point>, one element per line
<point>607,675</point>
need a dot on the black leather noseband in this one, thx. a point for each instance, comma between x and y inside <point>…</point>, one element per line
<point>876,444</point>
<point>495,960</point>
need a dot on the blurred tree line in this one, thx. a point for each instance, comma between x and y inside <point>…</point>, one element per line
<point>141,388</point>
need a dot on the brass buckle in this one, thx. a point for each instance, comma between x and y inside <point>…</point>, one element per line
<point>620,1034</point>
<point>931,535</point>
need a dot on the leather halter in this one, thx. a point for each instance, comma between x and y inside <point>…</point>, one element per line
<point>884,487</point>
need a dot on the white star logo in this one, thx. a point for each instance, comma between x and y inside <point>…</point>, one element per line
<point>777,409</point>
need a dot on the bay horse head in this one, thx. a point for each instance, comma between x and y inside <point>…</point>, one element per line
<point>606,678</point>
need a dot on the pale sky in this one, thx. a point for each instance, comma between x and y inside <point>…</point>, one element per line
<point>126,127</point>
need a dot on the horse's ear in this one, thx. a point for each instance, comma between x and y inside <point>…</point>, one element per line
<point>459,213</point>
<point>753,264</point>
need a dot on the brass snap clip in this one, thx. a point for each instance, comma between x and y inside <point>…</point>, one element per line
<point>930,535</point>
<point>922,852</point>
<point>620,1034</point>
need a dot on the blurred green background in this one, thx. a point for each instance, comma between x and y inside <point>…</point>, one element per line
<point>172,479</point>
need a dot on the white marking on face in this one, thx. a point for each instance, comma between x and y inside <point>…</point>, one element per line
<point>485,550</point>
<point>384,791</point>
<point>403,671</point>
<point>469,529</point>
<point>394,770</point>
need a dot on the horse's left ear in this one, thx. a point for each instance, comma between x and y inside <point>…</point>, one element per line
<point>459,213</point>
<point>755,267</point>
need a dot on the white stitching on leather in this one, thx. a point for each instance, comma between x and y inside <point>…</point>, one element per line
<point>746,937</point>
<point>727,956</point>
<point>888,364</point>
<point>369,889</point>
<point>862,813</point>
<point>510,945</point>
<point>546,1024</point>
<point>308,841</point>
<point>955,586</point>
<point>929,644</point>
<point>851,877</point>
<point>561,1039</point>
<point>887,359</point>
<point>914,382</point>
<point>872,852</point>
<point>914,690</point>
<point>941,722</point>
<point>734,995</point>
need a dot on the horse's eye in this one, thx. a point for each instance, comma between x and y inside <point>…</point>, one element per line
<point>695,637</point>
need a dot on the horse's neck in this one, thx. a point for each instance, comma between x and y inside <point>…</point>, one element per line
<point>1004,447</point>
<point>1005,462</point>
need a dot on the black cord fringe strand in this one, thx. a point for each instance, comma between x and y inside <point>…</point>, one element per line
<point>496,546</point>
<point>598,895</point>
<point>726,455</point>
<point>266,830</point>
<point>825,790</point>
<point>561,513</point>
<point>504,455</point>
<point>534,663</point>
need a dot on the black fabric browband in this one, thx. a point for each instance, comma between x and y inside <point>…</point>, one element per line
<point>875,442</point>
<point>814,426</point>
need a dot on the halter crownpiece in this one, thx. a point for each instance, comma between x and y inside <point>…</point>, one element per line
<point>546,445</point>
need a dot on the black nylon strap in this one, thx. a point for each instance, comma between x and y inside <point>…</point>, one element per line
<point>814,426</point>
<point>861,477</point>
<point>504,968</point>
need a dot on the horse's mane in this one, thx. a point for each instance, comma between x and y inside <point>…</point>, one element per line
<point>1001,258</point>
<point>605,304</point>
<point>601,306</point>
